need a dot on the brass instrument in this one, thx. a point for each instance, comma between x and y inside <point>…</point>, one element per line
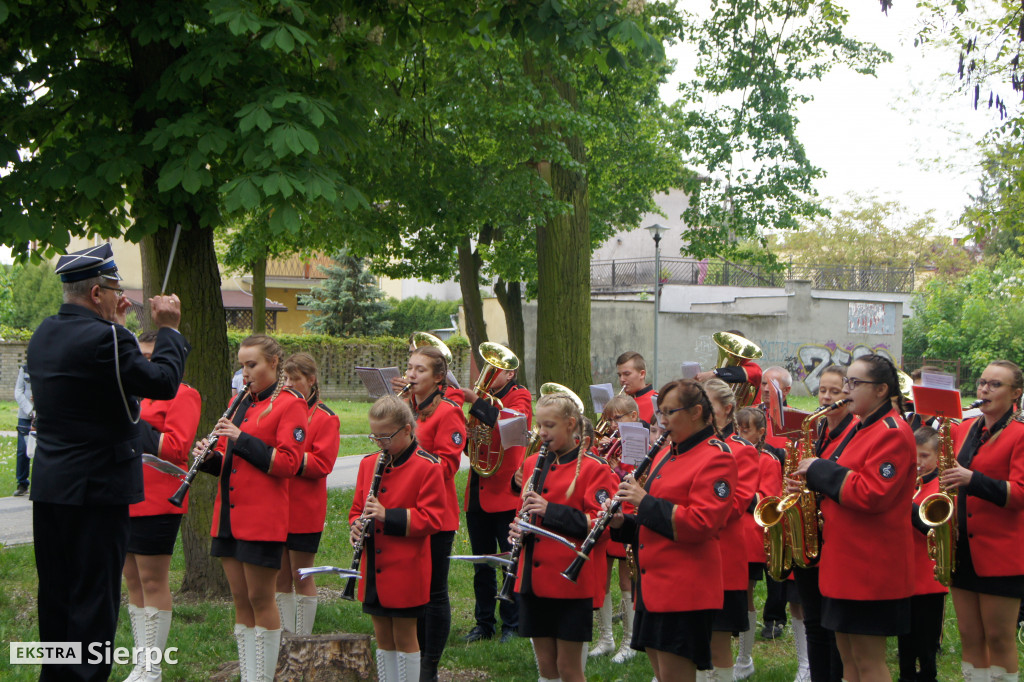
<point>484,461</point>
<point>546,389</point>
<point>938,511</point>
<point>773,521</point>
<point>801,508</point>
<point>733,348</point>
<point>421,339</point>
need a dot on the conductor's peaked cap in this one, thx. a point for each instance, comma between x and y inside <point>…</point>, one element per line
<point>95,261</point>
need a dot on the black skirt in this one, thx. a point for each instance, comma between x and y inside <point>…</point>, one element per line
<point>570,620</point>
<point>755,570</point>
<point>732,617</point>
<point>876,617</point>
<point>966,578</point>
<point>375,608</point>
<point>303,542</point>
<point>257,553</point>
<point>682,633</point>
<point>153,535</point>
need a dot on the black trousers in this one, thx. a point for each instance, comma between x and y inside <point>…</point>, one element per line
<point>80,552</point>
<point>922,644</point>
<point>432,630</point>
<point>775,601</point>
<point>822,652</point>
<point>488,530</point>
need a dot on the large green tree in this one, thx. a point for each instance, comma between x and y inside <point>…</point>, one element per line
<point>128,119</point>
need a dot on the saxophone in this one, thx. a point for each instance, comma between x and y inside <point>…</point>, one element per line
<point>938,511</point>
<point>801,508</point>
<point>768,517</point>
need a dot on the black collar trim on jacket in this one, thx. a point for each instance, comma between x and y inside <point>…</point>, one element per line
<point>883,409</point>
<point>506,389</point>
<point>930,476</point>
<point>566,457</point>
<point>404,456</point>
<point>266,393</point>
<point>419,407</point>
<point>704,434</point>
<point>729,429</point>
<point>643,391</point>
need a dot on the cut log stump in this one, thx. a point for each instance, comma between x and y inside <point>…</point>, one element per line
<point>336,657</point>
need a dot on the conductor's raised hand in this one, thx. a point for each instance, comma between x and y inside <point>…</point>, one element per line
<point>121,311</point>
<point>165,311</point>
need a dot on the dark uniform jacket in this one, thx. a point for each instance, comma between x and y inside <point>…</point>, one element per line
<point>88,451</point>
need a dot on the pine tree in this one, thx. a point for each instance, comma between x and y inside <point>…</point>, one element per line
<point>348,303</point>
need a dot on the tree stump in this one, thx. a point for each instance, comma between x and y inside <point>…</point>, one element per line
<point>325,658</point>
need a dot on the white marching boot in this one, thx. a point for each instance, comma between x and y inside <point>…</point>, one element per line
<point>246,639</point>
<point>286,608</point>
<point>387,665</point>
<point>997,673</point>
<point>744,667</point>
<point>605,640</point>
<point>305,614</point>
<point>625,652</point>
<point>803,670</point>
<point>158,626</point>
<point>268,645</point>
<point>972,674</point>
<point>721,674</point>
<point>137,615</point>
<point>408,667</point>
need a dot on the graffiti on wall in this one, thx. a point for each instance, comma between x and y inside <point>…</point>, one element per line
<point>811,359</point>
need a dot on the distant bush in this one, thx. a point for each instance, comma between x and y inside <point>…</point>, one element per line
<point>415,314</point>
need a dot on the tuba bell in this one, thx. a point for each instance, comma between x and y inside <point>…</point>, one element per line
<point>483,458</point>
<point>732,349</point>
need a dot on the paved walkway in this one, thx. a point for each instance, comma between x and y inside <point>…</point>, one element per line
<point>16,512</point>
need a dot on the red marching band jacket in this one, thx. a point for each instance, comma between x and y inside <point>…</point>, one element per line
<point>252,496</point>
<point>645,399</point>
<point>307,492</point>
<point>494,493</point>
<point>868,493</point>
<point>677,525</point>
<point>542,560</point>
<point>995,498</point>
<point>924,565</point>
<point>735,573</point>
<point>412,492</point>
<point>443,434</point>
<point>168,430</point>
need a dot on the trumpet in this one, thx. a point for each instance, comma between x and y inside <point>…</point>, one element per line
<point>178,498</point>
<point>349,592</point>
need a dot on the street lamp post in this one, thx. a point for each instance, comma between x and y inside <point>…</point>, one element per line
<point>656,232</point>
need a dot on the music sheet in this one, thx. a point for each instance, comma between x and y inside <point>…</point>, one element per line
<point>377,381</point>
<point>600,394</point>
<point>635,441</point>
<point>512,427</point>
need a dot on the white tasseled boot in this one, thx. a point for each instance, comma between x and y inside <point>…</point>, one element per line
<point>268,645</point>
<point>305,614</point>
<point>605,640</point>
<point>137,615</point>
<point>625,653</point>
<point>246,639</point>
<point>997,673</point>
<point>387,665</point>
<point>158,626</point>
<point>744,667</point>
<point>721,674</point>
<point>583,658</point>
<point>803,670</point>
<point>286,607</point>
<point>972,674</point>
<point>408,667</point>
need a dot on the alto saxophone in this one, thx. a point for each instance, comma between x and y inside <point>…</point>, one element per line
<point>801,508</point>
<point>768,517</point>
<point>938,511</point>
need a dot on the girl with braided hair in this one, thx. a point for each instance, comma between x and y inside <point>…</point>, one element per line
<point>257,451</point>
<point>867,483</point>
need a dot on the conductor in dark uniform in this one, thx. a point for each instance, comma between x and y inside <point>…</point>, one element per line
<point>87,375</point>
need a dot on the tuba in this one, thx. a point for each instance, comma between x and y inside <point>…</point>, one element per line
<point>483,458</point>
<point>546,389</point>
<point>801,509</point>
<point>732,348</point>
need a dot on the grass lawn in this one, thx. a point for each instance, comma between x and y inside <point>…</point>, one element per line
<point>202,630</point>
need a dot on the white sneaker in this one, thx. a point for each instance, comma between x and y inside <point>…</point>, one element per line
<point>743,668</point>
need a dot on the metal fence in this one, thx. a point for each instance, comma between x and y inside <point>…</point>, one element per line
<point>300,267</point>
<point>636,275</point>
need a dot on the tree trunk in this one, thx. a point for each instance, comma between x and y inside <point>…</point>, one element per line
<point>563,267</point>
<point>259,295</point>
<point>510,297</point>
<point>196,280</point>
<point>472,304</point>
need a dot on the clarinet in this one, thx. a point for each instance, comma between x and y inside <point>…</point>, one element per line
<point>572,573</point>
<point>178,498</point>
<point>349,592</point>
<point>505,594</point>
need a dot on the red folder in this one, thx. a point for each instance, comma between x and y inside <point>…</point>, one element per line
<point>937,402</point>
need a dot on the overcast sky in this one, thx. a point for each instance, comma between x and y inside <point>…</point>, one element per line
<point>895,134</point>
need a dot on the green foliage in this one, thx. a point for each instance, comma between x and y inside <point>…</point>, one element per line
<point>995,216</point>
<point>977,318</point>
<point>348,303</point>
<point>34,293</point>
<point>420,314</point>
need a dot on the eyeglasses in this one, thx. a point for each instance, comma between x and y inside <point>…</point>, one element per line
<point>994,384</point>
<point>616,417</point>
<point>384,441</point>
<point>118,290</point>
<point>668,413</point>
<point>854,383</point>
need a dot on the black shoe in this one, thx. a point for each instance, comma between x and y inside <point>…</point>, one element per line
<point>476,634</point>
<point>21,491</point>
<point>507,635</point>
<point>772,630</point>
